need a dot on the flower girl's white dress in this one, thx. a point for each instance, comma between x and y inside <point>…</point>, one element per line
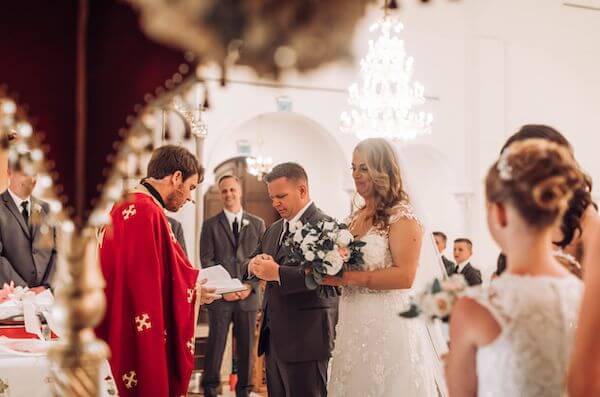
<point>537,316</point>
<point>377,353</point>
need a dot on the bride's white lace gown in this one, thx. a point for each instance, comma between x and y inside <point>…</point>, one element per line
<point>537,316</point>
<point>377,353</point>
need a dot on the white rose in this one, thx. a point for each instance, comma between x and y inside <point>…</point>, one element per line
<point>460,280</point>
<point>443,304</point>
<point>336,262</point>
<point>295,226</point>
<point>307,243</point>
<point>313,233</point>
<point>344,238</point>
<point>298,236</point>
<point>428,305</point>
<point>328,225</point>
<point>321,254</point>
<point>454,284</point>
<point>309,256</point>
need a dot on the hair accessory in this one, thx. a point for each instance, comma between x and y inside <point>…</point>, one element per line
<point>504,168</point>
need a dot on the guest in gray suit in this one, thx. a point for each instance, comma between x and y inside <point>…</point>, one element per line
<point>228,239</point>
<point>22,259</point>
<point>440,242</point>
<point>298,328</point>
<point>178,232</point>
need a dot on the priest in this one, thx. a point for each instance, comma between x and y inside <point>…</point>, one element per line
<point>151,286</point>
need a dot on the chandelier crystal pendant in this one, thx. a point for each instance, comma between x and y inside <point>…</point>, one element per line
<point>383,99</point>
<point>259,166</point>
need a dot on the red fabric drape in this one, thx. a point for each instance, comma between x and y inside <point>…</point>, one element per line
<point>37,61</point>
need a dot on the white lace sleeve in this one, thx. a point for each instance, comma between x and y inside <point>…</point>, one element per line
<point>490,300</point>
<point>403,211</point>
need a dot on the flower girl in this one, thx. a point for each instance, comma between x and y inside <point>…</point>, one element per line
<point>514,337</point>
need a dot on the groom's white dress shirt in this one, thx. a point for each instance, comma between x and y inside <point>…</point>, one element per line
<point>294,220</point>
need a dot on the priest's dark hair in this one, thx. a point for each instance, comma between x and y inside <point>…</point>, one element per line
<point>292,171</point>
<point>582,198</point>
<point>168,159</point>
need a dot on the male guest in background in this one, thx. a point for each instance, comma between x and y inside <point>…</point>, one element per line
<point>228,239</point>
<point>23,259</point>
<point>178,232</point>
<point>440,242</point>
<point>463,250</point>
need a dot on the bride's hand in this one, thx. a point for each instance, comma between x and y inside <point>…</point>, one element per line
<point>349,278</point>
<point>332,281</point>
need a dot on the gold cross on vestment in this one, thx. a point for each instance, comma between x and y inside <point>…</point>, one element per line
<point>143,322</point>
<point>129,212</point>
<point>130,379</point>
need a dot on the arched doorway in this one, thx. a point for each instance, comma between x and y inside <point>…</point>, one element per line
<point>255,198</point>
<point>288,136</point>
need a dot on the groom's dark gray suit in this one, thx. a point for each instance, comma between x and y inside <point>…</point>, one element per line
<point>298,328</point>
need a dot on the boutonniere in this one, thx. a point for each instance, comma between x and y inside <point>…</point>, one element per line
<point>37,208</point>
<point>295,226</point>
<point>245,222</point>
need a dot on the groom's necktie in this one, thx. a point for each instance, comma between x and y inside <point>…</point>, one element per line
<point>286,232</point>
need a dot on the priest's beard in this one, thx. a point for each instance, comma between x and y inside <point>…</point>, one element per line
<point>176,199</point>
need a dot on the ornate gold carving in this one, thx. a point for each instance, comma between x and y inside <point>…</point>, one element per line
<point>76,361</point>
<point>3,386</point>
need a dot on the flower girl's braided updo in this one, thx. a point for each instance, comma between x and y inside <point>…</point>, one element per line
<point>537,178</point>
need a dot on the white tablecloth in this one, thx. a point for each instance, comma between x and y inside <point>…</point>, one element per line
<point>30,377</point>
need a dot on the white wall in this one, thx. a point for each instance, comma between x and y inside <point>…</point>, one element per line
<point>489,66</point>
<point>535,62</point>
<point>291,137</point>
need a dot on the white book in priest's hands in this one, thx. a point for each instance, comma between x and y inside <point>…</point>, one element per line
<point>217,277</point>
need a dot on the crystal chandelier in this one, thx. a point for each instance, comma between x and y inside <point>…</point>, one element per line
<point>259,166</point>
<point>383,99</point>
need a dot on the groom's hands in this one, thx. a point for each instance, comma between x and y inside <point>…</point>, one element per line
<point>264,267</point>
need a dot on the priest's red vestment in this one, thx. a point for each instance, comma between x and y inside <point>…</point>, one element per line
<point>150,297</point>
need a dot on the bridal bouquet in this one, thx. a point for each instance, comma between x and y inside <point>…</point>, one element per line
<point>438,298</point>
<point>326,248</point>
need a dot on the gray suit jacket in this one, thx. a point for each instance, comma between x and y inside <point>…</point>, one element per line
<point>471,274</point>
<point>178,232</point>
<point>298,321</point>
<point>21,260</point>
<point>217,248</point>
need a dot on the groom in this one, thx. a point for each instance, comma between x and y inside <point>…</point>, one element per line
<point>298,327</point>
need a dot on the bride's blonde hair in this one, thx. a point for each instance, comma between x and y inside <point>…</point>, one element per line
<point>384,170</point>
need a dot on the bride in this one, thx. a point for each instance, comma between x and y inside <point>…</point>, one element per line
<point>377,353</point>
